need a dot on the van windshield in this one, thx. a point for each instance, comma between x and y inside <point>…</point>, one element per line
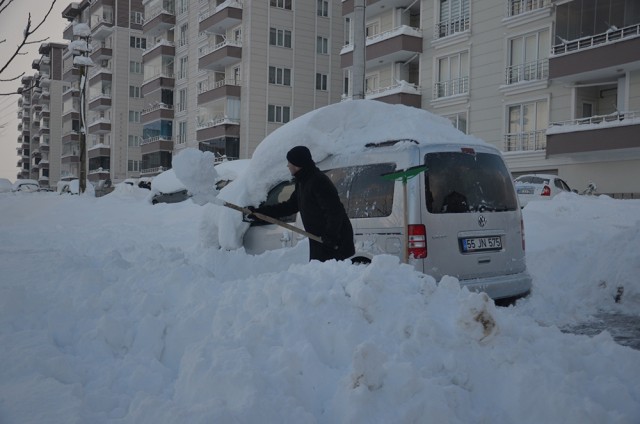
<point>363,191</point>
<point>457,182</point>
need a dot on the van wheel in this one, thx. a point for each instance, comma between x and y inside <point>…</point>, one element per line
<point>360,261</point>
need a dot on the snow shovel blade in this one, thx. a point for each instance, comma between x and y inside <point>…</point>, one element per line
<point>271,220</point>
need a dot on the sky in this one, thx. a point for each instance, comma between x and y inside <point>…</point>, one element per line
<point>13,22</point>
<point>113,310</point>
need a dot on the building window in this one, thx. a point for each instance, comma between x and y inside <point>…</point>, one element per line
<point>279,76</point>
<point>527,125</point>
<point>236,75</point>
<point>372,28</point>
<point>181,136</point>
<point>182,100</point>
<point>184,35</point>
<point>135,67</point>
<point>282,4</point>
<point>134,116</point>
<point>321,82</point>
<point>183,6</point>
<point>454,17</point>
<point>459,121</point>
<point>323,8</point>
<point>134,92</point>
<point>137,18</point>
<point>134,140</point>
<point>183,68</point>
<point>528,57</point>
<point>280,37</point>
<point>322,45</point>
<point>453,76</point>
<point>279,114</point>
<point>138,43</point>
<point>134,165</point>
<point>371,83</point>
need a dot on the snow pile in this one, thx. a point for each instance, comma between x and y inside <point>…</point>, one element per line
<point>196,170</point>
<point>147,326</point>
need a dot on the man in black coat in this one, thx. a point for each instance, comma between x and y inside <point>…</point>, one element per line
<point>322,213</point>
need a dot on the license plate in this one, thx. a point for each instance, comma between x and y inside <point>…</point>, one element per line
<point>525,191</point>
<point>477,244</point>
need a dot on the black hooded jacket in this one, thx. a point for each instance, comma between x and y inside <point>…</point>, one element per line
<point>322,213</point>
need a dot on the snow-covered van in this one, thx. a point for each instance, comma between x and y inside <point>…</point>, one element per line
<point>462,212</point>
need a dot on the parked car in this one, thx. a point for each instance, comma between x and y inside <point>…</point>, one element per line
<point>539,187</point>
<point>26,185</point>
<point>463,216</point>
<point>166,188</point>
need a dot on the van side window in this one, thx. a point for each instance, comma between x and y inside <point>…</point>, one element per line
<point>363,191</point>
<point>457,182</point>
<point>277,194</point>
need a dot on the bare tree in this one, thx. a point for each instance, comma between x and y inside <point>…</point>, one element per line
<point>26,40</point>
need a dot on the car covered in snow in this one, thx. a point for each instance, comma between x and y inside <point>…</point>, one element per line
<point>167,188</point>
<point>539,187</point>
<point>5,185</point>
<point>26,185</point>
<point>412,185</point>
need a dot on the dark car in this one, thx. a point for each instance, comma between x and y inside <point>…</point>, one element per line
<point>174,197</point>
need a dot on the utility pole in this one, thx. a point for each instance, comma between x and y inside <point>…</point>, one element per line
<point>359,50</point>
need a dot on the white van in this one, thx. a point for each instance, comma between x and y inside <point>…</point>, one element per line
<point>462,212</point>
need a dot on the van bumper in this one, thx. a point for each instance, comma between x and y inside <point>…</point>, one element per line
<point>501,286</point>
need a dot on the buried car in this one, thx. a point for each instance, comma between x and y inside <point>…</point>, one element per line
<point>438,199</point>
<point>167,188</point>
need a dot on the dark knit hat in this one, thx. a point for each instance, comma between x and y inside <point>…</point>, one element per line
<point>300,156</point>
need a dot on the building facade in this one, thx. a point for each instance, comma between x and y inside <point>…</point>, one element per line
<point>554,84</point>
<point>112,100</point>
<point>221,75</point>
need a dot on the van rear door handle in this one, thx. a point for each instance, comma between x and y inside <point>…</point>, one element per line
<point>484,260</point>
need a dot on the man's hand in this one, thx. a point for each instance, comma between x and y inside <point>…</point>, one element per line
<point>250,217</point>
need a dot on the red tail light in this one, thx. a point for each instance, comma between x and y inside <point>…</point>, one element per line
<point>522,231</point>
<point>417,247</point>
<point>546,191</point>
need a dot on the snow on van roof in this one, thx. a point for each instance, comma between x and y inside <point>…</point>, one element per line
<point>340,128</point>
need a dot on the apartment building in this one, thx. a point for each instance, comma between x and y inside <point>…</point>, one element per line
<point>222,75</point>
<point>554,84</point>
<point>113,99</point>
<point>24,128</point>
<point>46,101</point>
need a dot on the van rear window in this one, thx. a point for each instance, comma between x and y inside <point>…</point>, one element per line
<point>457,182</point>
<point>363,191</point>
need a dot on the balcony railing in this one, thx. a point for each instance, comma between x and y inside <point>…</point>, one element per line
<point>212,85</point>
<point>450,88</point>
<point>452,26</point>
<point>153,170</point>
<point>233,3</point>
<point>206,122</point>
<point>155,107</point>
<point>157,11</point>
<point>156,72</point>
<point>613,35</point>
<point>372,39</point>
<point>530,71</point>
<point>518,7</point>
<point>526,141</point>
<point>156,138</point>
<point>203,51</point>
<point>597,120</point>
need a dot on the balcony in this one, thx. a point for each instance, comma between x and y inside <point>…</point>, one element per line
<point>156,78</point>
<point>71,74</point>
<point>161,48</point>
<point>452,30</point>
<point>101,26</point>
<point>220,19</point>
<point>101,52</point>
<point>157,111</point>
<point>217,127</point>
<point>375,7</point>
<point>218,90</point>
<point>71,93</point>
<point>452,88</point>
<point>100,102</point>
<point>590,57</point>
<point>156,144</point>
<point>158,21</point>
<point>596,133</point>
<point>100,126</point>
<point>526,141</point>
<point>402,93</point>
<point>219,56</point>
<point>67,33</point>
<point>99,150</point>
<point>526,76</point>
<point>97,75</point>
<point>396,45</point>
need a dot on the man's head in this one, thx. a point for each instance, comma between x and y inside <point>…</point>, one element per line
<point>299,157</point>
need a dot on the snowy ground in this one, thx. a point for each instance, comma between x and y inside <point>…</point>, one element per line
<point>113,311</point>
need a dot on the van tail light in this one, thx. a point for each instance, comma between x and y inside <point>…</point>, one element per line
<point>417,247</point>
<point>522,231</point>
<point>546,191</point>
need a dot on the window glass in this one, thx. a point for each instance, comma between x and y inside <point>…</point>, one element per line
<point>363,191</point>
<point>278,194</point>
<point>461,182</point>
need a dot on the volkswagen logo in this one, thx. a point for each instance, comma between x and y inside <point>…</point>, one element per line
<point>482,221</point>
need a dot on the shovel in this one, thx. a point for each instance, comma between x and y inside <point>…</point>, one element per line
<point>270,220</point>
